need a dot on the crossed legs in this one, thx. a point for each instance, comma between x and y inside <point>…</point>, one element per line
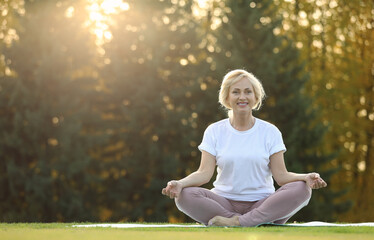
<point>203,205</point>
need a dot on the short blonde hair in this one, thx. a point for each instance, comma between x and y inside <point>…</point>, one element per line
<point>234,76</point>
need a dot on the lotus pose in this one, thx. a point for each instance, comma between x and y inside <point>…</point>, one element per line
<point>248,153</point>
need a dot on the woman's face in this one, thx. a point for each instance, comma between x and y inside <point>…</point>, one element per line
<point>241,96</point>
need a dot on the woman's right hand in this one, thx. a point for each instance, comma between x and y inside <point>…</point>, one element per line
<point>173,189</point>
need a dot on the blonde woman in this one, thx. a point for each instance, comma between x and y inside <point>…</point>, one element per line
<point>248,153</point>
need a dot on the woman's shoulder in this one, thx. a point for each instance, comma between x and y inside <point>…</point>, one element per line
<point>220,122</point>
<point>265,125</point>
<point>218,125</point>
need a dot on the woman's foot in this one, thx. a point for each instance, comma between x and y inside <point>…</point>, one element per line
<point>222,221</point>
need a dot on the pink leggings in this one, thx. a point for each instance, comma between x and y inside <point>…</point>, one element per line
<point>202,205</point>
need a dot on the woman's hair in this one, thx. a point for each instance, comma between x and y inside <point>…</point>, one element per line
<point>234,76</point>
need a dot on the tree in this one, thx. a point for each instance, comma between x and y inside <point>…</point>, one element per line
<point>335,40</point>
<point>44,152</point>
<point>151,81</point>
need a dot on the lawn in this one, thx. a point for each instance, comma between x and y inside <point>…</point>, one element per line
<point>66,231</point>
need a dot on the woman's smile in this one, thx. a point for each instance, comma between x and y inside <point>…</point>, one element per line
<point>242,104</point>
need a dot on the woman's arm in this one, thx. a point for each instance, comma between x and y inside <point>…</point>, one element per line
<point>195,179</point>
<point>282,176</point>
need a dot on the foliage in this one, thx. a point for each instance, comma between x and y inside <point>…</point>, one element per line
<point>44,155</point>
<point>152,115</point>
<point>335,39</point>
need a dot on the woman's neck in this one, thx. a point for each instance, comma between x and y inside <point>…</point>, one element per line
<point>242,122</point>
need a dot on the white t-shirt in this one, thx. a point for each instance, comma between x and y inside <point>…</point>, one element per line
<point>242,158</point>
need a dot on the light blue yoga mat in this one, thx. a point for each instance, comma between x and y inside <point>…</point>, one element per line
<point>319,224</point>
<point>307,224</point>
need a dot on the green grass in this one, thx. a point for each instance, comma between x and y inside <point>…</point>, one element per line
<point>65,231</point>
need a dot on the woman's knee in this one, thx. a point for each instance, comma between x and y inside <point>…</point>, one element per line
<point>185,195</point>
<point>302,190</point>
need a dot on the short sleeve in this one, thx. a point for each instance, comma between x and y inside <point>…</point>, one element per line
<point>209,141</point>
<point>276,142</point>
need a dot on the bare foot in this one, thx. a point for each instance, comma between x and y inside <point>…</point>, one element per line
<point>222,221</point>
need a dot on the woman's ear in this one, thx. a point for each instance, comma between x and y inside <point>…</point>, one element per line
<point>227,103</point>
<point>257,99</point>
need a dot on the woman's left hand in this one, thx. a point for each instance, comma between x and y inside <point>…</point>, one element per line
<point>314,181</point>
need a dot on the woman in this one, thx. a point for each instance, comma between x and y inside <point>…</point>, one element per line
<point>248,153</point>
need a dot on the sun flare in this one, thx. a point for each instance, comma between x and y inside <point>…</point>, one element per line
<point>100,12</point>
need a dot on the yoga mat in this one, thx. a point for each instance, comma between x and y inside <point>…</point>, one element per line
<point>326,224</point>
<point>139,225</point>
<point>318,224</point>
<point>308,224</point>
